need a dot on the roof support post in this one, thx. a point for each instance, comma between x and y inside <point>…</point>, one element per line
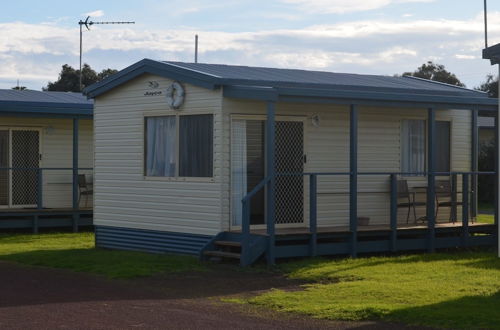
<point>271,174</point>
<point>497,171</point>
<point>353,179</point>
<point>431,189</point>
<point>76,214</point>
<point>474,161</point>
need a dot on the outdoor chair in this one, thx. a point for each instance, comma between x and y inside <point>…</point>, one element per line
<point>408,199</point>
<point>446,197</point>
<point>84,189</point>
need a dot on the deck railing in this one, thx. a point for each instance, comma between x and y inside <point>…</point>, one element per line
<point>393,205</point>
<point>33,190</point>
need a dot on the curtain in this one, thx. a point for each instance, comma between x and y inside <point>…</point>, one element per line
<point>196,146</point>
<point>160,146</point>
<point>238,169</point>
<point>413,146</point>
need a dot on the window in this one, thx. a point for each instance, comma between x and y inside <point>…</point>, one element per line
<point>413,146</point>
<point>179,146</point>
<point>442,146</point>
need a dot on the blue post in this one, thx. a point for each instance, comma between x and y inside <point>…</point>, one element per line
<point>271,173</point>
<point>76,213</point>
<point>394,212</point>
<point>431,189</point>
<point>497,172</point>
<point>465,209</point>
<point>454,197</point>
<point>39,189</point>
<point>245,231</point>
<point>353,182</point>
<point>313,207</point>
<point>474,162</point>
<point>35,224</point>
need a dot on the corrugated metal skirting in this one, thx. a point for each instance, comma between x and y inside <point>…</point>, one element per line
<point>149,240</point>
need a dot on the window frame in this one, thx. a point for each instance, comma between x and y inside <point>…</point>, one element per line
<point>177,149</point>
<point>426,145</point>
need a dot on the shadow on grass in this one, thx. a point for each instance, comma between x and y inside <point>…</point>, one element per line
<point>480,258</point>
<point>476,312</point>
<point>141,276</point>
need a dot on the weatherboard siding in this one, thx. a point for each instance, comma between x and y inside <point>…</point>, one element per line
<point>57,152</point>
<point>124,196</point>
<point>327,149</point>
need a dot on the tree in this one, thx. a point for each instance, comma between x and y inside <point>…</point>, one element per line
<point>435,72</point>
<point>490,86</point>
<point>69,78</point>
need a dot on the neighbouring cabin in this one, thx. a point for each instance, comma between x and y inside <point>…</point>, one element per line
<point>46,147</point>
<point>244,162</point>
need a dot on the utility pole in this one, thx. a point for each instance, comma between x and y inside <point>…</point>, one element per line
<point>196,48</point>
<point>87,24</point>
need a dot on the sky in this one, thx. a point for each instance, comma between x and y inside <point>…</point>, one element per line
<point>383,37</point>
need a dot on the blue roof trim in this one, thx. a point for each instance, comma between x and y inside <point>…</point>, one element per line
<point>361,98</point>
<point>252,93</point>
<point>46,108</point>
<point>152,67</point>
<point>378,96</point>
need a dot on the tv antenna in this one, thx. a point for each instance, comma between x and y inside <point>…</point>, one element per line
<point>485,24</point>
<point>88,24</point>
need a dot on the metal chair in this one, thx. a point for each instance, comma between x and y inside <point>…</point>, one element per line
<point>446,197</point>
<point>409,198</point>
<point>83,189</point>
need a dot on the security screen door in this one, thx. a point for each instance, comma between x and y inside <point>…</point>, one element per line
<point>248,170</point>
<point>19,149</point>
<point>4,163</point>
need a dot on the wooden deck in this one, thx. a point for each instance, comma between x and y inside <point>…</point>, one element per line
<point>370,228</point>
<point>31,211</point>
<point>18,218</point>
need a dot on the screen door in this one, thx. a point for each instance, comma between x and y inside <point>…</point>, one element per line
<point>4,163</point>
<point>24,159</point>
<point>248,170</point>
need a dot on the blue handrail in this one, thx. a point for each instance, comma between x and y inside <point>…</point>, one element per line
<point>313,187</point>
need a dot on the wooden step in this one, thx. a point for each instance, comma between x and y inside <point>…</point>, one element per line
<point>228,243</point>
<point>222,254</point>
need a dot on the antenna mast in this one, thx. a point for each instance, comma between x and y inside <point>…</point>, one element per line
<point>87,24</point>
<point>485,24</point>
<point>196,48</point>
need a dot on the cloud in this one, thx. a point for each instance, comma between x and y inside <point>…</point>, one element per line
<point>344,6</point>
<point>95,13</point>
<point>465,57</point>
<point>381,46</point>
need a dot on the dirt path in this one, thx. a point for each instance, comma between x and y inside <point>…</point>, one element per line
<point>42,298</point>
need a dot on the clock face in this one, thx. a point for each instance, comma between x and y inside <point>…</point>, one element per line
<point>175,95</point>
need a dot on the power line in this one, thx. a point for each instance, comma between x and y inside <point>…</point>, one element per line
<point>88,24</point>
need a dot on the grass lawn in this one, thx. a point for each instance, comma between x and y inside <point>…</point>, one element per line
<point>77,252</point>
<point>485,218</point>
<point>456,290</point>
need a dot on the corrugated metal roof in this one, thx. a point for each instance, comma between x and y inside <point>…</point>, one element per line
<point>293,85</point>
<point>43,97</point>
<point>276,77</point>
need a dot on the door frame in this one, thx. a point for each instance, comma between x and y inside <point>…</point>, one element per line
<point>297,118</point>
<point>40,160</point>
